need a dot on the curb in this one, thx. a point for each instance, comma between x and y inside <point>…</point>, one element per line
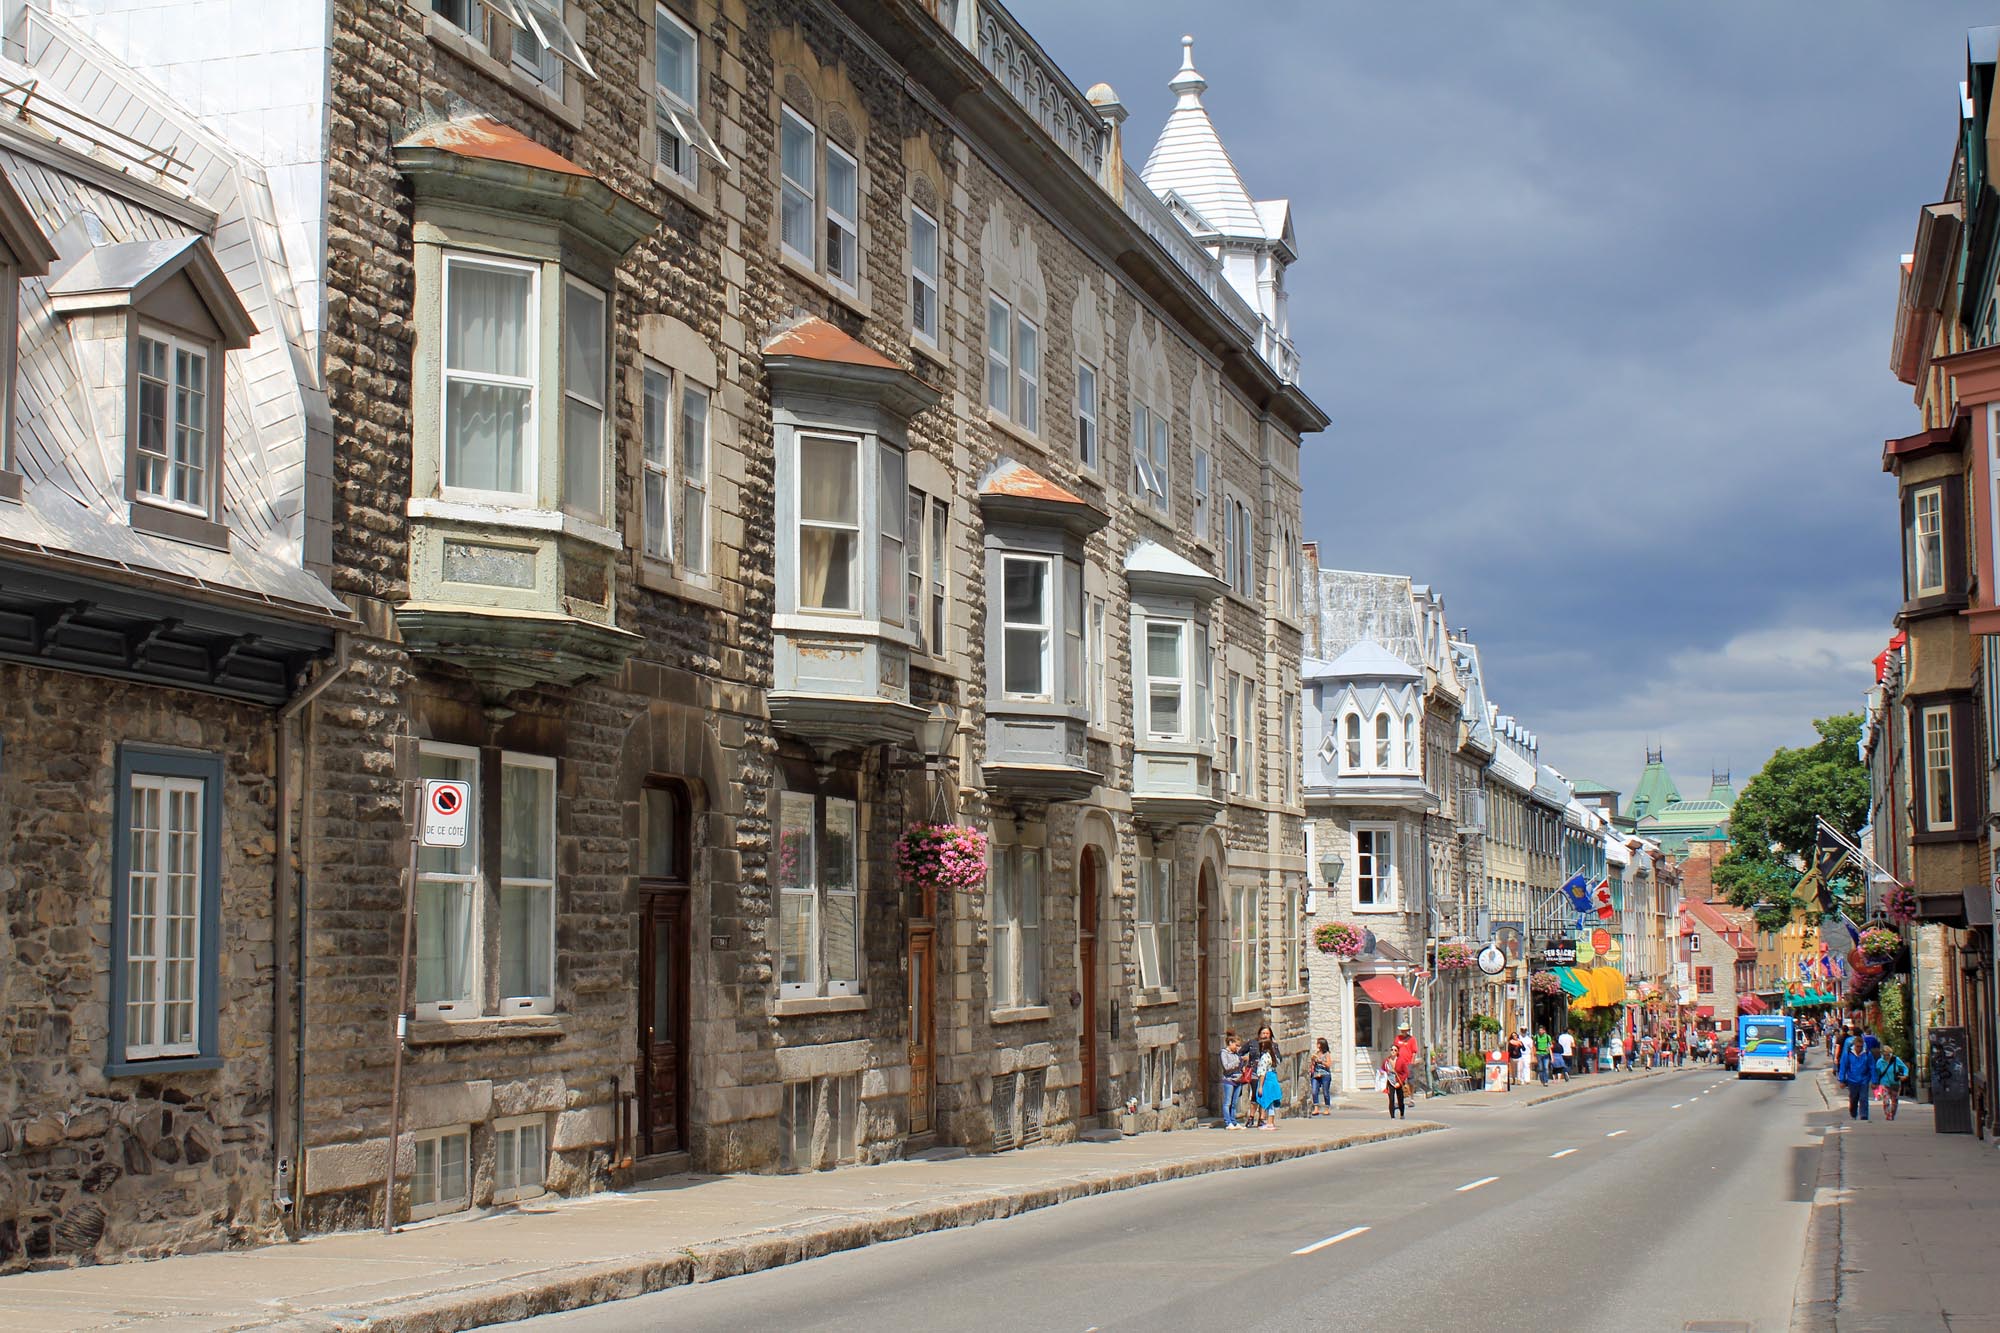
<point>580,1285</point>
<point>1816,1298</point>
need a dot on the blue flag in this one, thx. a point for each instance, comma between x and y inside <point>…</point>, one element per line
<point>1577,886</point>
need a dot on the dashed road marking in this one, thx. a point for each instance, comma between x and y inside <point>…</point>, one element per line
<point>1483,1180</point>
<point>1675,1107</point>
<point>1564,1153</point>
<point>1319,1245</point>
<point>1614,1133</point>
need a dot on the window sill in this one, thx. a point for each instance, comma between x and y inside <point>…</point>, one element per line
<point>519,517</point>
<point>936,666</point>
<point>1015,431</point>
<point>461,44</point>
<point>176,1064</point>
<point>837,626</point>
<point>1289,1001</point>
<point>1156,996</point>
<point>685,190</point>
<point>854,301</point>
<point>661,578</point>
<point>803,1005</point>
<point>174,525</point>
<point>455,1031</point>
<point>1377,911</point>
<point>1028,1013</point>
<point>1254,1004</point>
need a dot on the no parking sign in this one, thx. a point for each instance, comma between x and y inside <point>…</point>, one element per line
<point>447,812</point>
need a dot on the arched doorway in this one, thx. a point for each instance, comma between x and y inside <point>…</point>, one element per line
<point>1089,888</point>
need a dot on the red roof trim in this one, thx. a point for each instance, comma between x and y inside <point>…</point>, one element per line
<point>816,340</point>
<point>489,139</point>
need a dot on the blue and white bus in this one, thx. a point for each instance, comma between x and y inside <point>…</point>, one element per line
<point>1765,1046</point>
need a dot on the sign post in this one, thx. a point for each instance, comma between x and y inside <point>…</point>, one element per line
<point>443,819</point>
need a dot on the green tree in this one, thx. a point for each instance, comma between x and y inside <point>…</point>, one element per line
<point>1776,817</point>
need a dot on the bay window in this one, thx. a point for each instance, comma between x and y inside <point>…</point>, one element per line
<point>1927,541</point>
<point>819,906</point>
<point>1026,624</point>
<point>585,385</point>
<point>1939,787</point>
<point>1166,679</point>
<point>892,525</point>
<point>1155,917</point>
<point>829,541</point>
<point>1015,926</point>
<point>490,432</point>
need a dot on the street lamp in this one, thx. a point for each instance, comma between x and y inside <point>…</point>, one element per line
<point>934,732</point>
<point>1330,867</point>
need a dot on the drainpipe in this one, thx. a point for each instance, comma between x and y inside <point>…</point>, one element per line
<point>288,937</point>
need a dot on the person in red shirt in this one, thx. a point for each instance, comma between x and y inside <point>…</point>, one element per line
<point>1403,1057</point>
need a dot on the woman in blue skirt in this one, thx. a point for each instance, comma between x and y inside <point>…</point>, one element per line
<point>1269,1090</point>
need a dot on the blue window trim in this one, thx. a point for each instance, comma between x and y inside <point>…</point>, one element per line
<point>207,768</point>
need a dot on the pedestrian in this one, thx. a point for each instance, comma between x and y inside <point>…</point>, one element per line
<point>1631,1049</point>
<point>1515,1047</point>
<point>1544,1064</point>
<point>1269,1090</point>
<point>1322,1080</point>
<point>1857,1071</point>
<point>1890,1071</point>
<point>1403,1057</point>
<point>1525,1062</point>
<point>1232,1077</point>
<point>1565,1054</point>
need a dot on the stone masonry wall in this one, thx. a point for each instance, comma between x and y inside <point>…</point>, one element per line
<point>94,1167</point>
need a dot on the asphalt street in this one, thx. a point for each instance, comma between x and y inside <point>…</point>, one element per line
<point>1674,1202</point>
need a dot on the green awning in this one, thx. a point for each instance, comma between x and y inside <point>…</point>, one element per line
<point>1811,999</point>
<point>1572,984</point>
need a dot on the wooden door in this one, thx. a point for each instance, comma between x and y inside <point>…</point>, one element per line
<point>1086,935</point>
<point>1208,1061</point>
<point>663,1022</point>
<point>922,986</point>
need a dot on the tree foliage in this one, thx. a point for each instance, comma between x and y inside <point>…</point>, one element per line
<point>1776,817</point>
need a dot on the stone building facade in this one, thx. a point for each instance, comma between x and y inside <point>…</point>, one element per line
<point>695,368</point>
<point>161,461</point>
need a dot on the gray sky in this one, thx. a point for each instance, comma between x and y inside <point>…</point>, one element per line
<point>1600,300</point>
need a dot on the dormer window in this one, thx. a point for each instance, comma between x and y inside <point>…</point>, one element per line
<point>1354,742</point>
<point>172,448</point>
<point>1382,740</point>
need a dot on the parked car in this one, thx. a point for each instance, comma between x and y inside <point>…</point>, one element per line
<point>1730,1055</point>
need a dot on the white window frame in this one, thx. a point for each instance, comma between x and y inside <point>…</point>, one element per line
<point>1246,730</point>
<point>857,561</point>
<point>172,464</point>
<point>925,283</point>
<point>677,117</point>
<point>531,54</point>
<point>1016,964</point>
<point>999,355</point>
<point>1384,889</point>
<point>814,973</point>
<point>842,226</point>
<point>549,23</point>
<point>928,558</point>
<point>468,882</point>
<point>1046,626</point>
<point>468,16</point>
<point>691,548</point>
<point>594,398</point>
<point>530,1001</point>
<point>1352,751</point>
<point>1088,445</point>
<point>656,462</point>
<point>1177,683</point>
<point>173,971</point>
<point>1925,539</point>
<point>1204,464</point>
<point>530,379</point>
<point>433,1143</point>
<point>1155,921</point>
<point>1097,644</point>
<point>1412,733</point>
<point>1149,481</point>
<point>1291,940</point>
<point>513,1178</point>
<point>808,188</point>
<point>1246,981</point>
<point>1288,750</point>
<point>1385,740</point>
<point>1936,722</point>
<point>1027,412</point>
<point>1244,580</point>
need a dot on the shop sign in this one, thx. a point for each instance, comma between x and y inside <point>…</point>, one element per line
<point>1559,952</point>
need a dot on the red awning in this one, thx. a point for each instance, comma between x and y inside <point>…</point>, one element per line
<point>1750,1004</point>
<point>1388,992</point>
<point>1705,1011</point>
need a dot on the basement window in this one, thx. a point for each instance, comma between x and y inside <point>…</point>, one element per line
<point>440,1172</point>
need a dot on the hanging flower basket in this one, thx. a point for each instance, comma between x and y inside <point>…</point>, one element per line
<point>1900,905</point>
<point>1457,957</point>
<point>1544,983</point>
<point>941,856</point>
<point>1880,943</point>
<point>1342,939</point>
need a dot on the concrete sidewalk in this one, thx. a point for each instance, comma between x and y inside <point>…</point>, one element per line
<point>561,1254</point>
<point>1902,1228</point>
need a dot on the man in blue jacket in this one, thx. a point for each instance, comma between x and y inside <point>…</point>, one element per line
<point>1857,1071</point>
